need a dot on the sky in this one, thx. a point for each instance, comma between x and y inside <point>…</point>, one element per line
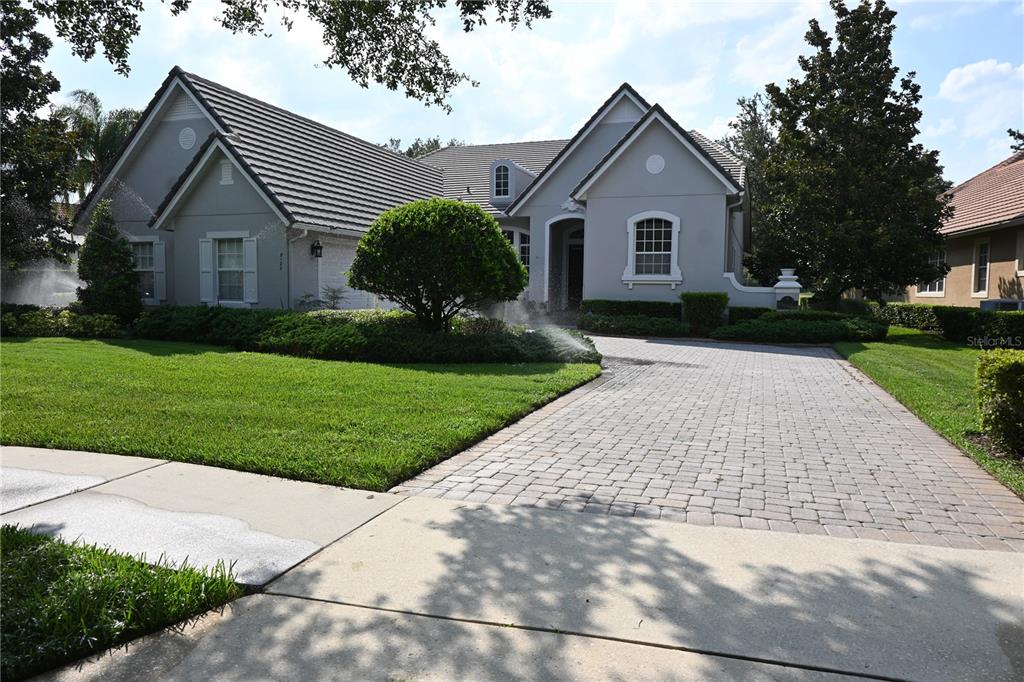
<point>694,58</point>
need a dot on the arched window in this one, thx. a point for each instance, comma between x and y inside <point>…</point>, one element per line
<point>653,248</point>
<point>501,181</point>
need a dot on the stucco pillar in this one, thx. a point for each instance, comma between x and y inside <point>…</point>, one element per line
<point>787,289</point>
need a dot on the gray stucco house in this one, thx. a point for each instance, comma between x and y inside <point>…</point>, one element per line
<point>232,201</point>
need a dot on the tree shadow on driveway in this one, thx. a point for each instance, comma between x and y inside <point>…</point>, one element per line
<point>893,613</point>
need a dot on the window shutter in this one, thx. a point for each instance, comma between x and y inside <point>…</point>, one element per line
<point>249,270</point>
<point>159,271</point>
<point>206,270</point>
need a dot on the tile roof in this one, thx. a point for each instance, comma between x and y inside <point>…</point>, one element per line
<point>992,197</point>
<point>324,177</point>
<point>722,156</point>
<point>467,168</point>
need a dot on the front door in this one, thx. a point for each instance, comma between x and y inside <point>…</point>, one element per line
<point>574,277</point>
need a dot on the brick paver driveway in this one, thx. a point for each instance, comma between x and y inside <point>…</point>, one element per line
<point>788,439</point>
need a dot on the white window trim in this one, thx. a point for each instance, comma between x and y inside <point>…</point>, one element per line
<point>227,234</point>
<point>232,303</point>
<point>974,268</point>
<point>675,276</point>
<point>1020,253</point>
<point>517,241</point>
<point>935,294</point>
<point>508,181</point>
<point>151,240</point>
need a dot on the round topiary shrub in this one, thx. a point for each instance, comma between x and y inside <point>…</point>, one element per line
<point>435,258</point>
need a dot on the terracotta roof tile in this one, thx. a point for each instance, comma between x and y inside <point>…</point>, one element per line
<point>992,197</point>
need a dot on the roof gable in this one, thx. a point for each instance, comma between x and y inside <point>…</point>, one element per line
<point>656,116</point>
<point>195,170</point>
<point>165,104</point>
<point>625,93</point>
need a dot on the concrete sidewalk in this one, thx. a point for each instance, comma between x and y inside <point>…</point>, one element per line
<point>435,589</point>
<point>260,524</point>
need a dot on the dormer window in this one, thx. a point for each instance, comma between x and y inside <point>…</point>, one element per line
<point>501,181</point>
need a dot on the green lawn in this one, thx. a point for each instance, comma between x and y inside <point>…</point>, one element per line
<point>935,379</point>
<point>61,601</point>
<point>354,424</point>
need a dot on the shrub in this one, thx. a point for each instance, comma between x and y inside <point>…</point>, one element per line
<point>913,315</point>
<point>633,325</point>
<point>377,336</point>
<point>704,310</point>
<point>741,313</point>
<point>1001,398</point>
<point>8,324</point>
<point>803,331</point>
<point>37,321</point>
<point>174,323</point>
<point>17,308</point>
<point>805,314</point>
<point>847,306</point>
<point>436,258</point>
<point>240,328</point>
<point>107,267</point>
<point>88,326</point>
<point>363,335</point>
<point>665,309</point>
<point>1002,328</point>
<point>985,328</point>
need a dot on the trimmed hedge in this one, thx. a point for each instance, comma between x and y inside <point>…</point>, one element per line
<point>663,309</point>
<point>363,335</point>
<point>803,331</point>
<point>1001,398</point>
<point>35,321</point>
<point>704,310</point>
<point>847,306</point>
<point>739,314</point>
<point>633,325</point>
<point>807,314</point>
<point>913,315</point>
<point>981,328</point>
<point>240,328</point>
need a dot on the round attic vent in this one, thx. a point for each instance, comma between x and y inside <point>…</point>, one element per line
<point>655,164</point>
<point>187,138</point>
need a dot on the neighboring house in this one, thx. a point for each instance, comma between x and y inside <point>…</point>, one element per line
<point>232,201</point>
<point>984,242</point>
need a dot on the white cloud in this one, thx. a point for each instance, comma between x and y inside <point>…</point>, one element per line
<point>717,128</point>
<point>931,15</point>
<point>769,54</point>
<point>945,126</point>
<point>989,95</point>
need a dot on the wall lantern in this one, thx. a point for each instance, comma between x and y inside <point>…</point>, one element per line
<point>317,249</point>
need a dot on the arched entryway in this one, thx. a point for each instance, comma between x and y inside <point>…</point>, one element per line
<point>565,248</point>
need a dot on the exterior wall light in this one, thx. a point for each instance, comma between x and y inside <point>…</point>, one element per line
<point>317,249</point>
